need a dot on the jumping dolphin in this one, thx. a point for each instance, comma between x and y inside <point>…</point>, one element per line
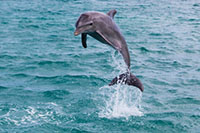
<point>103,28</point>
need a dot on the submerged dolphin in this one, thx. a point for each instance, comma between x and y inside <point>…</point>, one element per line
<point>102,27</point>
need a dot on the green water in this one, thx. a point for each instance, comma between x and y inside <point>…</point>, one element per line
<point>50,83</point>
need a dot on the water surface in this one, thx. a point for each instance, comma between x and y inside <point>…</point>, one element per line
<point>50,83</point>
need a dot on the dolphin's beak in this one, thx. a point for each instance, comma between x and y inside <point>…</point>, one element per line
<point>76,32</point>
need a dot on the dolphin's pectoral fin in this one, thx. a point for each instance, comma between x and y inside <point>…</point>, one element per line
<point>112,13</point>
<point>84,39</point>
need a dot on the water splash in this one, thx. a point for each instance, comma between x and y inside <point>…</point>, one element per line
<point>119,100</point>
<point>118,62</point>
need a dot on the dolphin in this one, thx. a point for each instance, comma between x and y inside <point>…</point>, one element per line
<point>102,27</point>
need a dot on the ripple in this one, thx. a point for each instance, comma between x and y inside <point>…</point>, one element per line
<point>167,114</point>
<point>88,77</point>
<point>144,50</point>
<point>155,34</point>
<point>186,100</point>
<point>21,75</point>
<point>56,94</point>
<point>196,4</point>
<point>198,70</point>
<point>8,57</point>
<point>49,62</point>
<point>3,88</point>
<point>77,130</point>
<point>165,125</point>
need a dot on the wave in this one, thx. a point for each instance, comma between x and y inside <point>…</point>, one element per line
<point>56,94</point>
<point>3,88</point>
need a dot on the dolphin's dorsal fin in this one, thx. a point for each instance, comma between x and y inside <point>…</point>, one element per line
<point>112,13</point>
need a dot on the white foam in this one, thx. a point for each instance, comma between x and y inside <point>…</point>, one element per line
<point>119,100</point>
<point>41,113</point>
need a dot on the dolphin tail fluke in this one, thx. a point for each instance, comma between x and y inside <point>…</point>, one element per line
<point>129,79</point>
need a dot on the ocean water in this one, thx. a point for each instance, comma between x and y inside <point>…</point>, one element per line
<point>50,83</point>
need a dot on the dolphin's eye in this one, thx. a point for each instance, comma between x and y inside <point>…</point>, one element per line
<point>91,24</point>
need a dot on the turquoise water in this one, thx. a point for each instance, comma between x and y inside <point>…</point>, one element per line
<point>50,83</point>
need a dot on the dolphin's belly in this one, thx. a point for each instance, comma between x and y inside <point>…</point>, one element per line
<point>98,37</point>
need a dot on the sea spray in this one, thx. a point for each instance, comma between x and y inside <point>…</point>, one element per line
<point>119,100</point>
<point>117,62</point>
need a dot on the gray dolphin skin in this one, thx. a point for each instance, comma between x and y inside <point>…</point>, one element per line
<point>103,28</point>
